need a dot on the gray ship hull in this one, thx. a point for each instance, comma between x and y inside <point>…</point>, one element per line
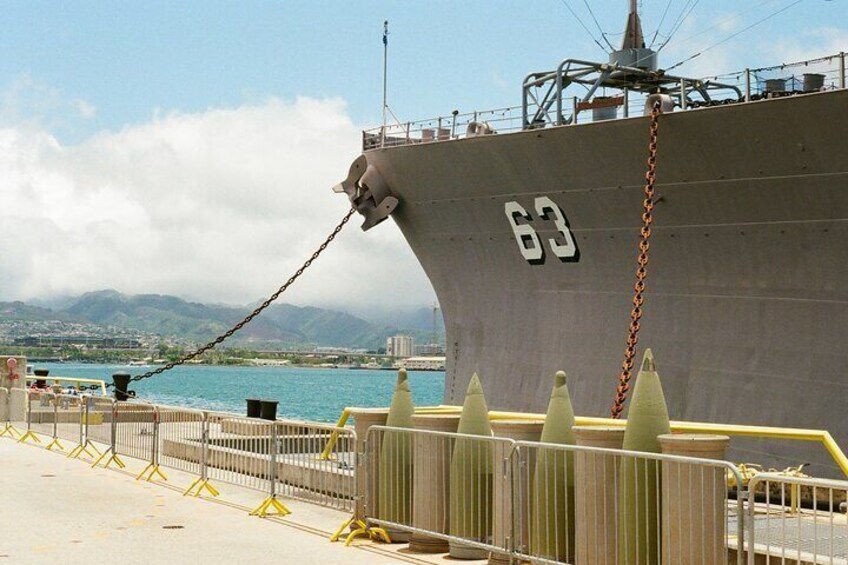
<point>747,301</point>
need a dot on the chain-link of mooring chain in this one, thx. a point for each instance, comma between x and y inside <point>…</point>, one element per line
<point>215,342</point>
<point>641,270</point>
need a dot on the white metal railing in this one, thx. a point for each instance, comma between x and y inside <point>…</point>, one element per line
<point>752,84</point>
<point>797,520</point>
<point>547,503</point>
<point>285,457</point>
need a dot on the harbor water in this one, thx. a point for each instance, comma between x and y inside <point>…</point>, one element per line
<point>318,394</point>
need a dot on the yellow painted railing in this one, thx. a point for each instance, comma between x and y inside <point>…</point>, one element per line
<point>76,381</point>
<point>764,432</point>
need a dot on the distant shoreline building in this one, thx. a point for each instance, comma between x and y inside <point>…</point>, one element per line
<point>424,363</point>
<point>400,346</point>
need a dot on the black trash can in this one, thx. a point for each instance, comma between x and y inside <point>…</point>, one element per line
<point>121,382</point>
<point>254,407</point>
<point>268,409</point>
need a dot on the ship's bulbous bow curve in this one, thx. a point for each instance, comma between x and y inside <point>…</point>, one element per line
<point>368,192</point>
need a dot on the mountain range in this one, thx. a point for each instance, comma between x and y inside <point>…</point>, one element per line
<point>279,326</point>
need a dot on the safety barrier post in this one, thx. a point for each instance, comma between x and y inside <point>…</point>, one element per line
<point>55,440</point>
<point>6,403</point>
<point>202,482</point>
<point>152,469</point>
<point>276,507</point>
<point>113,438</point>
<point>365,477</point>
<point>29,433</point>
<point>85,421</point>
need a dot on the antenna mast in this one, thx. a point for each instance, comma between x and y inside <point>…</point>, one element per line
<point>385,69</point>
<point>633,52</point>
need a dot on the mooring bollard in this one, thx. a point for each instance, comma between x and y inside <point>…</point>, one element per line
<point>694,499</point>
<point>431,456</point>
<point>595,493</point>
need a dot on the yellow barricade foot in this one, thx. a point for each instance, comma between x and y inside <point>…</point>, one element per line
<point>153,470</point>
<point>116,460</point>
<point>270,507</point>
<point>55,443</point>
<point>11,431</point>
<point>83,448</point>
<point>364,530</point>
<point>29,435</point>
<point>338,533</point>
<point>198,486</point>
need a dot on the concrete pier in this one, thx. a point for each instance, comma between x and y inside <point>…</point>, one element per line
<point>66,513</point>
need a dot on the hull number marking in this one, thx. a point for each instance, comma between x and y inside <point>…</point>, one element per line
<point>530,245</point>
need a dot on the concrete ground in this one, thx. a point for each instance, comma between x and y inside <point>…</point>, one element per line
<point>55,510</point>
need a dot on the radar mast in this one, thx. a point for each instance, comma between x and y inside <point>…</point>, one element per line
<point>633,52</point>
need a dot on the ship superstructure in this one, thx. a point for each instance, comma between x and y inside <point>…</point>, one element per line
<point>525,220</point>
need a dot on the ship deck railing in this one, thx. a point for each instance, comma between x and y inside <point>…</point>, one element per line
<point>582,92</point>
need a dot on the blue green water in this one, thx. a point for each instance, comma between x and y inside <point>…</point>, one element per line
<point>309,394</point>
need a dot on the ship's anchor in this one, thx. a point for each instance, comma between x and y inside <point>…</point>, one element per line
<point>658,104</point>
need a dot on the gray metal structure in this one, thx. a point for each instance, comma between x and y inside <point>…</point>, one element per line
<point>529,239</point>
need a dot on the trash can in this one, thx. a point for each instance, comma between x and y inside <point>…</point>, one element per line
<point>268,409</point>
<point>254,407</point>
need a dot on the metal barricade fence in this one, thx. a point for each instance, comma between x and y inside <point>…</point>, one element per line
<point>7,428</point>
<point>69,418</point>
<point>181,439</point>
<point>305,472</point>
<point>599,506</point>
<point>241,451</point>
<point>797,521</point>
<point>134,427</point>
<point>441,487</point>
<point>97,419</point>
<point>41,408</point>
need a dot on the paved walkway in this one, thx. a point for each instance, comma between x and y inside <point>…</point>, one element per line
<point>54,510</point>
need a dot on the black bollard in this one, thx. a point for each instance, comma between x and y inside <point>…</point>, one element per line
<point>121,381</point>
<point>41,383</point>
<point>268,409</point>
<point>253,407</point>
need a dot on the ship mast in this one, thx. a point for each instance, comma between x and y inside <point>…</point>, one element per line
<point>633,38</point>
<point>633,52</point>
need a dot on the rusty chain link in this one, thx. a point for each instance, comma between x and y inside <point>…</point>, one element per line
<point>258,310</point>
<point>641,270</point>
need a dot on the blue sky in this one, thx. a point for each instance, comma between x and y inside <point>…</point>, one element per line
<point>127,60</point>
<point>189,148</point>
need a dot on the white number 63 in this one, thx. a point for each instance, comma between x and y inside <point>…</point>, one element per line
<point>528,240</point>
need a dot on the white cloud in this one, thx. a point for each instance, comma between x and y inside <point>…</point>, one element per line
<point>220,206</point>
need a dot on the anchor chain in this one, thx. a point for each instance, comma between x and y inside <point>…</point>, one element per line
<point>641,269</point>
<point>247,319</point>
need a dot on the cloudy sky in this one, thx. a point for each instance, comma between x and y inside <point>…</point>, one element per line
<point>189,148</point>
